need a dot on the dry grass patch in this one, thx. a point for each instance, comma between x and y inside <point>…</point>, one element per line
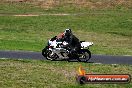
<point>92,4</point>
<point>53,74</point>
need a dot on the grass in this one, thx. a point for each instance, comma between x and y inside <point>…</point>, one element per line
<point>18,7</point>
<point>111,32</point>
<point>62,6</point>
<point>107,25</point>
<point>47,74</point>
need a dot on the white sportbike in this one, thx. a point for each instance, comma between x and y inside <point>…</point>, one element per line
<point>55,51</point>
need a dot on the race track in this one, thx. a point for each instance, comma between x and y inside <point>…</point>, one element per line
<point>104,59</point>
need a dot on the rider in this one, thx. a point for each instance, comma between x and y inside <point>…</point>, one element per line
<point>72,40</point>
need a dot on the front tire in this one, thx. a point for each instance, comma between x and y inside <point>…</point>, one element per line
<point>51,56</point>
<point>48,54</point>
<point>44,51</point>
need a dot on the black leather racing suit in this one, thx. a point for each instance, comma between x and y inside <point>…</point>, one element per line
<point>73,43</point>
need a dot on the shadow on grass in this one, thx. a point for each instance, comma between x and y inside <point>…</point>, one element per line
<point>73,60</point>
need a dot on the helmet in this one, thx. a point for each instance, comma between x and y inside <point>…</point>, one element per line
<point>68,32</point>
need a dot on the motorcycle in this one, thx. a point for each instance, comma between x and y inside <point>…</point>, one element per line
<point>55,51</point>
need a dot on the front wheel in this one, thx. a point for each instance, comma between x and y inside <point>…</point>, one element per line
<point>85,55</point>
<point>51,56</point>
<point>44,51</point>
<point>48,54</point>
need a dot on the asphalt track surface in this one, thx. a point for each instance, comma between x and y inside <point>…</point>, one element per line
<point>97,59</point>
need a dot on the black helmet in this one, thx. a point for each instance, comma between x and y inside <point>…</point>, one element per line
<point>68,32</point>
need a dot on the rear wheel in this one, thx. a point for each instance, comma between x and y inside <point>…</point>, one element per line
<point>85,55</point>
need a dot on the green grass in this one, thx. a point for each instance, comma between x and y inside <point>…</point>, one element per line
<point>111,32</point>
<point>47,74</point>
<point>109,28</point>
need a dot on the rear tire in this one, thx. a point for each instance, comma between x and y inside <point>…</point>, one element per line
<point>86,55</point>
